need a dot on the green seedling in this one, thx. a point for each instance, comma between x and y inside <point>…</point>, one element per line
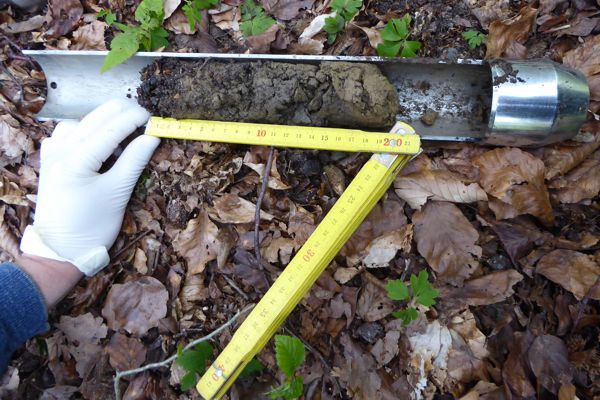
<point>345,11</point>
<point>192,9</point>
<point>474,38</point>
<point>395,39</point>
<point>290,354</point>
<point>149,35</point>
<point>254,19</point>
<point>108,16</point>
<point>195,362</point>
<point>420,292</point>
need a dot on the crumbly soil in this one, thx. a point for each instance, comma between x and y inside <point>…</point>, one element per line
<point>339,94</point>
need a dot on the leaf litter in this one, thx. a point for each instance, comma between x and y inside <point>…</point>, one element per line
<point>510,236</point>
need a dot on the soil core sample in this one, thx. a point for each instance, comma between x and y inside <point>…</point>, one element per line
<point>335,94</point>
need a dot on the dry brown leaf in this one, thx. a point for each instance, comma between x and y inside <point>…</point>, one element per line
<point>198,243</point>
<point>8,240</point>
<point>418,187</point>
<point>84,333</point>
<point>586,58</point>
<point>10,193</point>
<point>576,272</point>
<point>286,10</point>
<point>14,142</point>
<point>485,391</point>
<point>516,179</point>
<point>446,239</point>
<point>466,357</point>
<point>139,261</point>
<point>549,362</point>
<point>383,249</point>
<point>580,184</point>
<point>488,289</point>
<point>301,225</point>
<point>136,306</point>
<point>279,249</point>
<point>582,25</point>
<point>179,24</point>
<point>386,216</point>
<point>357,372</point>
<point>560,159</point>
<point>503,34</point>
<point>60,392</point>
<point>307,46</point>
<point>28,25</point>
<point>515,369</point>
<point>429,344</point>
<point>89,37</point>
<point>233,209</point>
<point>373,303</point>
<point>262,43</point>
<point>384,350</point>
<point>487,11</point>
<point>125,352</point>
<point>63,16</point>
<point>169,6</point>
<point>373,35</point>
<point>274,182</point>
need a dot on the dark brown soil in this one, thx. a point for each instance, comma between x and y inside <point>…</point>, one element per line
<point>336,94</point>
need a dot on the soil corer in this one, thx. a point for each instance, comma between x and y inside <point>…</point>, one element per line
<point>499,102</point>
<point>301,137</point>
<point>359,198</point>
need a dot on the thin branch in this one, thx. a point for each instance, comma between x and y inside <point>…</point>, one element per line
<point>259,201</point>
<point>168,361</point>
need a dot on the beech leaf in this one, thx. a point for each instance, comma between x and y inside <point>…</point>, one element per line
<point>576,272</point>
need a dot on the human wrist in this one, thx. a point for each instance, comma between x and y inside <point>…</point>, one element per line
<point>55,279</point>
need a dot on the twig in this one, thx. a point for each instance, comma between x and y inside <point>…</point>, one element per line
<point>168,361</point>
<point>584,301</point>
<point>128,245</point>
<point>259,201</point>
<point>234,286</point>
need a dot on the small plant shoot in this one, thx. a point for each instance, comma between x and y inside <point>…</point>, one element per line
<point>395,39</point>
<point>474,38</point>
<point>192,9</point>
<point>290,354</point>
<point>149,35</point>
<point>194,361</point>
<point>345,11</point>
<point>254,19</point>
<point>420,292</point>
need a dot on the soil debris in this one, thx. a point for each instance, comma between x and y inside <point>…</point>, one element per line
<point>329,94</point>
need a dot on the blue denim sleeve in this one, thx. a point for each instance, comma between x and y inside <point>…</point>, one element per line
<point>23,311</point>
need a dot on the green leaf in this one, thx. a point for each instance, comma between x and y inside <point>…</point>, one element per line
<point>290,353</point>
<point>250,10</point>
<point>205,4</point>
<point>158,38</point>
<point>195,360</point>
<point>408,315</point>
<point>253,367</point>
<point>347,9</point>
<point>474,38</point>
<point>396,289</point>
<point>289,390</point>
<point>388,49</point>
<point>149,11</point>
<point>122,47</point>
<point>410,48</point>
<point>334,24</point>
<point>108,16</point>
<point>188,381</point>
<point>470,34</point>
<point>390,34</point>
<point>423,291</point>
<point>256,25</point>
<point>192,14</point>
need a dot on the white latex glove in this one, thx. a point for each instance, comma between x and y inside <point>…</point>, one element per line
<point>79,212</point>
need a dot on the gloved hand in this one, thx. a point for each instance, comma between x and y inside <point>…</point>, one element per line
<point>79,211</point>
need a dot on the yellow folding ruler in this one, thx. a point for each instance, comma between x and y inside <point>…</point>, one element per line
<point>314,256</point>
<point>302,137</point>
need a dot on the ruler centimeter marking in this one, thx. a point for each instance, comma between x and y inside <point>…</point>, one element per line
<point>314,256</point>
<point>303,137</point>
